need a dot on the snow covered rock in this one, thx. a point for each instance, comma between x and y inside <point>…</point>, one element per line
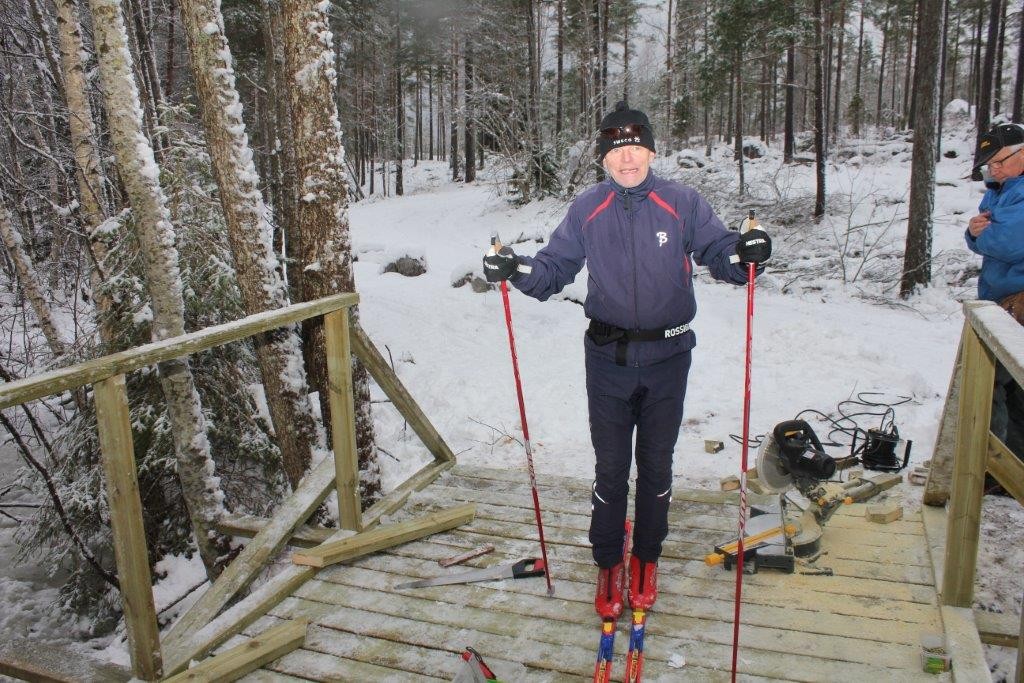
<point>406,265</point>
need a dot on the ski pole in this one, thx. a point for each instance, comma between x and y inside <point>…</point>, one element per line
<point>748,224</point>
<point>496,246</point>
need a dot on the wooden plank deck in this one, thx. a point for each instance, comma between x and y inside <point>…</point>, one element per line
<point>862,623</point>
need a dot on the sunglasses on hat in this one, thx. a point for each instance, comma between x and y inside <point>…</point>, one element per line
<point>631,130</point>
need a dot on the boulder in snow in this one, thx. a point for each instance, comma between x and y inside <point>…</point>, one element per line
<point>407,266</point>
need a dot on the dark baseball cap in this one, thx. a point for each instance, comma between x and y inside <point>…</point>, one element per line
<point>1003,135</point>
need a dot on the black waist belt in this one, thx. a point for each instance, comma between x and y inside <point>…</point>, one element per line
<point>602,334</point>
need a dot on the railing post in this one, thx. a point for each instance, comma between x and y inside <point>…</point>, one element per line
<point>118,456</point>
<point>342,402</point>
<point>969,464</point>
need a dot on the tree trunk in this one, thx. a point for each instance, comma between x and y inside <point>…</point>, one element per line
<point>533,115</point>
<point>881,68</point>
<point>738,147</point>
<point>668,74</point>
<point>399,106</point>
<point>819,115</point>
<point>839,71</point>
<point>1018,88</point>
<point>279,352</point>
<point>89,172</point>
<point>984,115</point>
<point>917,257</point>
<point>975,80</point>
<point>997,91</point>
<point>560,67</point>
<point>140,175</point>
<point>470,143</point>
<point>943,50</point>
<point>326,246</point>
<point>30,283</point>
<point>905,115</point>
<point>788,134</point>
<point>858,110</point>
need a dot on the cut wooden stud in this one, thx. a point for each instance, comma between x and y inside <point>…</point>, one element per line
<point>971,450</point>
<point>729,483</point>
<point>385,537</point>
<point>249,656</point>
<point>343,420</point>
<point>883,513</point>
<point>1006,468</point>
<point>388,381</point>
<point>940,473</point>
<point>713,446</point>
<point>118,455</point>
<point>312,490</point>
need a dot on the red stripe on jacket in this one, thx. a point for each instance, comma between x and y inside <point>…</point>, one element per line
<point>601,207</point>
<point>663,204</point>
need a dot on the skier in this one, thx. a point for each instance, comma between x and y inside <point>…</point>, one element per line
<point>637,234</point>
<point>997,233</point>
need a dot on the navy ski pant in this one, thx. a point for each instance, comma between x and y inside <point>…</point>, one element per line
<point>622,399</point>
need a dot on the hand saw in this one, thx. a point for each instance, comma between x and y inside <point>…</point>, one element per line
<point>513,570</point>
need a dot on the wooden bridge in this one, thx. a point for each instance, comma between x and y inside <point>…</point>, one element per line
<point>334,613</point>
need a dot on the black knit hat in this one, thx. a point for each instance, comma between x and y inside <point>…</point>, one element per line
<point>1004,135</point>
<point>611,134</point>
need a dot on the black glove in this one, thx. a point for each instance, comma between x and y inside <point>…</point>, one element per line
<point>755,246</point>
<point>500,266</point>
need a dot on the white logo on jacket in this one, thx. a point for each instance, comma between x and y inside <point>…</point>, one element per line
<point>662,238</point>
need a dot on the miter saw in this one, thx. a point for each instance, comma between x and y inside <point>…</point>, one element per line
<point>792,463</point>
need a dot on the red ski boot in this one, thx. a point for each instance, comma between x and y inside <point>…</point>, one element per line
<point>643,583</point>
<point>610,584</point>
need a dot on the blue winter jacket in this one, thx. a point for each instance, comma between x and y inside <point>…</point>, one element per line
<point>1001,244</point>
<point>637,244</point>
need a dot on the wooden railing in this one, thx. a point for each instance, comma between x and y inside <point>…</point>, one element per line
<point>966,448</point>
<point>107,377</point>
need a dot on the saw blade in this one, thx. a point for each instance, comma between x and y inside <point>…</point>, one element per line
<point>770,469</point>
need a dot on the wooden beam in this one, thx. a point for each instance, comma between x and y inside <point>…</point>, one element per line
<point>997,629</point>
<point>1020,646</point>
<point>249,656</point>
<point>396,498</point>
<point>199,643</point>
<point>386,537</point>
<point>1000,333</point>
<point>968,471</point>
<point>29,660</point>
<point>89,372</point>
<point>964,645</point>
<point>312,490</point>
<point>118,455</point>
<point>940,474</point>
<point>248,526</point>
<point>343,418</point>
<point>1006,467</point>
<point>400,397</point>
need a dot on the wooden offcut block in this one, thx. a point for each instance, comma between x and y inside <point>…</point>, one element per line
<point>884,513</point>
<point>713,446</point>
<point>729,483</point>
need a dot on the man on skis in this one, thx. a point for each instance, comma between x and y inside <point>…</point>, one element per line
<point>637,234</point>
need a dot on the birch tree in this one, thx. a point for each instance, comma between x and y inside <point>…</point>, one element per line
<point>30,281</point>
<point>326,250</point>
<point>89,179</point>
<point>139,173</point>
<point>250,232</point>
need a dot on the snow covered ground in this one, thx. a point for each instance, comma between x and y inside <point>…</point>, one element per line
<point>827,329</point>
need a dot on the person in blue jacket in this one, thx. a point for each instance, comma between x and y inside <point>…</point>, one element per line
<point>639,236</point>
<point>997,233</point>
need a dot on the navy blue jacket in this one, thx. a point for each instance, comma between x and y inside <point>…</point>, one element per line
<point>1001,244</point>
<point>637,244</point>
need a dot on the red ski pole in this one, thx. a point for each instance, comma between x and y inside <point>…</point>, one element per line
<point>751,274</point>
<point>496,245</point>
